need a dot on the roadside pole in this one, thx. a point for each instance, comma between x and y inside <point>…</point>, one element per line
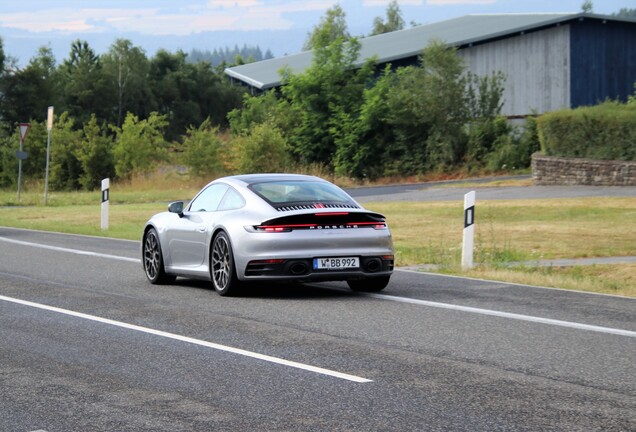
<point>22,155</point>
<point>105,198</point>
<point>49,126</point>
<point>469,230</point>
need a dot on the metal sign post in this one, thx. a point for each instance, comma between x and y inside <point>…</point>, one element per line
<point>22,155</point>
<point>469,231</point>
<point>49,126</point>
<point>105,198</point>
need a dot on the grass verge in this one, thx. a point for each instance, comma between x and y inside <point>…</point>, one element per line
<point>424,233</point>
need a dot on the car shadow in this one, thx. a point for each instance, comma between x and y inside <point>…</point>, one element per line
<point>265,290</point>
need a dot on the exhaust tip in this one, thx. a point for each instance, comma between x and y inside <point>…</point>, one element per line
<point>374,265</point>
<point>298,268</point>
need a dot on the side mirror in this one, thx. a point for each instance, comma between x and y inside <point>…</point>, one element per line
<point>176,207</point>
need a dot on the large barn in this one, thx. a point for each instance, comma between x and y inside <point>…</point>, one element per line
<point>551,61</point>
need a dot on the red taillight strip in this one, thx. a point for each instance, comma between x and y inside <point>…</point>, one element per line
<point>287,228</point>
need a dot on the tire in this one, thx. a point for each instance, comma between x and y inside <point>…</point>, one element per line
<point>370,284</point>
<point>153,260</point>
<point>222,269</point>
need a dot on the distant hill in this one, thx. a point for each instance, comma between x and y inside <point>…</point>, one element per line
<point>247,54</point>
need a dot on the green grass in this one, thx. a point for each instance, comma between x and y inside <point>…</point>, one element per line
<point>424,233</point>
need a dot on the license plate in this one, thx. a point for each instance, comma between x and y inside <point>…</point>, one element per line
<point>336,263</point>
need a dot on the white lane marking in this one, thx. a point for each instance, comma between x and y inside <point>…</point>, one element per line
<point>490,312</point>
<point>190,340</point>
<point>509,315</point>
<point>74,251</point>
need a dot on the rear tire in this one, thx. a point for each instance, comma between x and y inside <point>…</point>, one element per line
<point>153,260</point>
<point>222,269</point>
<point>370,284</point>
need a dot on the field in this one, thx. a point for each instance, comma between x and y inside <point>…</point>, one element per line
<point>426,235</point>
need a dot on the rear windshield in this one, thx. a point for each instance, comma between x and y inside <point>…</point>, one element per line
<point>283,192</point>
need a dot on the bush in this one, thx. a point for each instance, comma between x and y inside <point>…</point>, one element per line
<point>514,152</point>
<point>139,144</point>
<point>202,150</point>
<point>96,155</point>
<point>263,149</point>
<point>604,132</point>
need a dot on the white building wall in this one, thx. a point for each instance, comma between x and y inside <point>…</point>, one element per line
<point>536,66</point>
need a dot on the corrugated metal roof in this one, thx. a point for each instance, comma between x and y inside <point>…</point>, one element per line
<point>469,29</point>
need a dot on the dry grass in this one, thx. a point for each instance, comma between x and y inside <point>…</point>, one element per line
<point>513,230</point>
<point>125,221</point>
<point>424,232</point>
<point>616,279</point>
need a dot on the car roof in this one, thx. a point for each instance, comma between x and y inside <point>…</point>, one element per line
<point>272,177</point>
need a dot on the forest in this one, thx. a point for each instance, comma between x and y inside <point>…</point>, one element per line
<point>123,113</point>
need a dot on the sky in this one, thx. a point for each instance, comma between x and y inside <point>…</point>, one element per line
<point>278,25</point>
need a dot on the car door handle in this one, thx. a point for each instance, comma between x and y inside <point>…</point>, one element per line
<point>201,229</point>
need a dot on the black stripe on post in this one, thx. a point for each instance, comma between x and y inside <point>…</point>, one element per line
<point>469,216</point>
<point>105,195</point>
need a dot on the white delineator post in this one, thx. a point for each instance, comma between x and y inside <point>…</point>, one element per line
<point>105,197</point>
<point>49,126</point>
<point>469,230</point>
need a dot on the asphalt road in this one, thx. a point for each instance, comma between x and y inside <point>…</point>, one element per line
<point>454,190</point>
<point>86,344</point>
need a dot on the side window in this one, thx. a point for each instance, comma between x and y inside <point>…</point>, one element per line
<point>233,200</point>
<point>209,199</point>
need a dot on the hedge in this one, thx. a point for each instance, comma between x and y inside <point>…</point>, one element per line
<point>603,132</point>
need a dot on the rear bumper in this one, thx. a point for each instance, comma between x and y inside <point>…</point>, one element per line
<point>301,270</point>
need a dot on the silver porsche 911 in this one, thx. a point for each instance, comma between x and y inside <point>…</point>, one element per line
<point>269,227</point>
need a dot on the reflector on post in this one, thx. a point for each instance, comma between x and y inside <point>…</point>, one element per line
<point>105,198</point>
<point>469,230</point>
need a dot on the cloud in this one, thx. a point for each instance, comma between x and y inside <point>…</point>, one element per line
<point>384,3</point>
<point>163,20</point>
<point>233,3</point>
<point>458,2</point>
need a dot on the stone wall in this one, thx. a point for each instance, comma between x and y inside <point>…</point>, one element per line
<point>547,170</point>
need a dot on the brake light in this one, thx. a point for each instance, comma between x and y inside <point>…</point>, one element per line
<point>267,261</point>
<point>281,228</point>
<point>274,229</point>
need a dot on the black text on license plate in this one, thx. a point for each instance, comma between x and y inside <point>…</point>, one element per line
<point>336,263</point>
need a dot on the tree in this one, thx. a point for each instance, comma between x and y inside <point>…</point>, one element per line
<point>2,56</point>
<point>327,94</point>
<point>25,93</point>
<point>626,13</point>
<point>587,6</point>
<point>35,145</point>
<point>368,147</point>
<point>263,149</point>
<point>126,72</point>
<point>332,26</point>
<point>394,20</point>
<point>188,93</point>
<point>429,107</point>
<point>202,150</point>
<point>139,144</point>
<point>255,110</point>
<point>95,155</point>
<point>416,118</point>
<point>83,85</point>
<point>66,169</point>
